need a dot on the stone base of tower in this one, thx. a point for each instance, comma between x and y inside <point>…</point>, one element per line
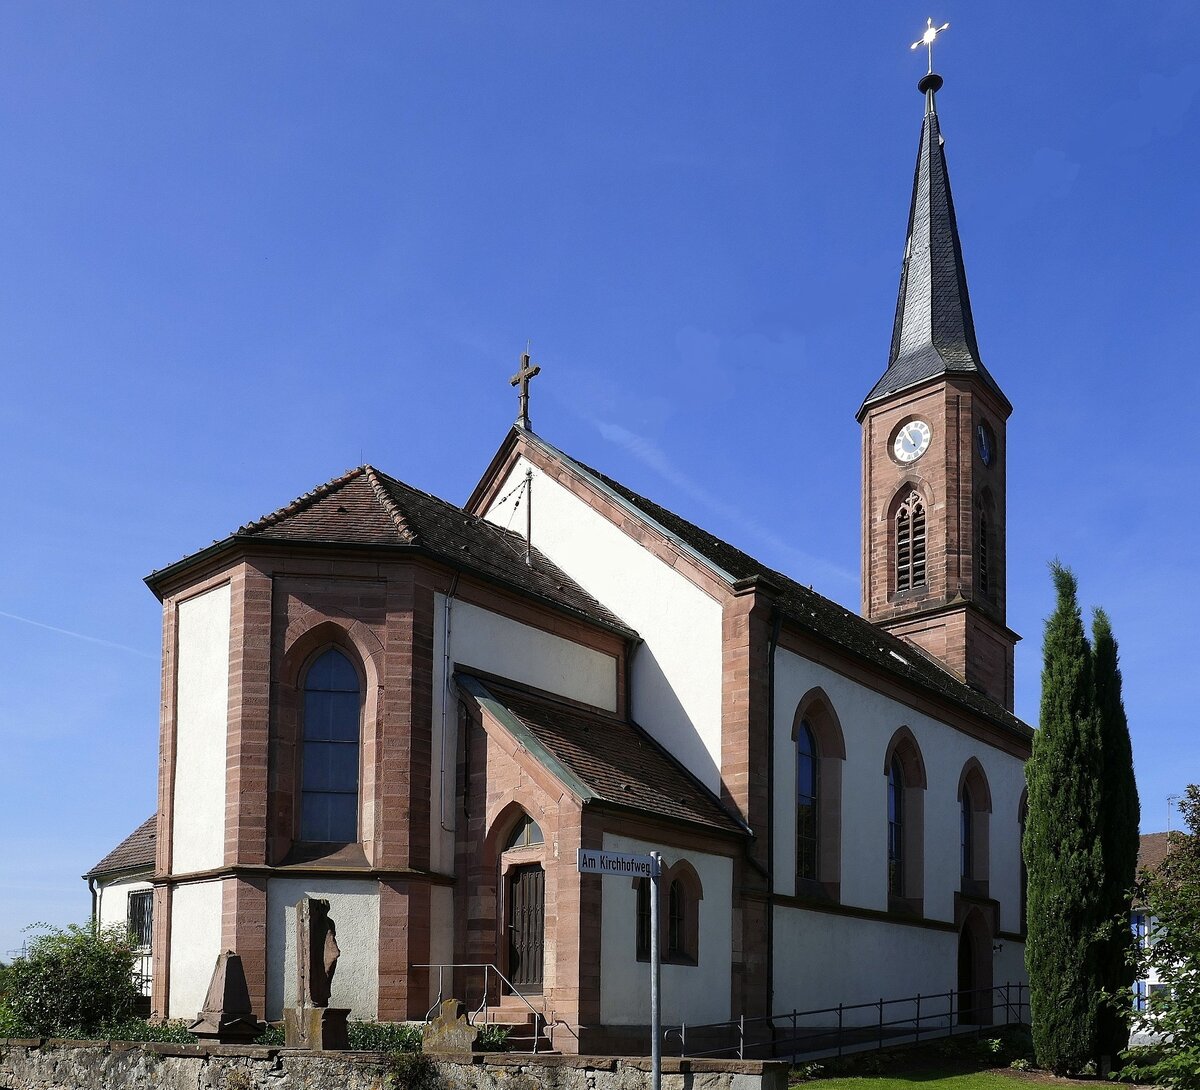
<point>973,646</point>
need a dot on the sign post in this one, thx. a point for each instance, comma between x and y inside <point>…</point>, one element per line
<point>650,868</point>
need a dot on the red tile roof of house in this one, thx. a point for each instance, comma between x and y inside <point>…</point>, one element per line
<point>135,852</point>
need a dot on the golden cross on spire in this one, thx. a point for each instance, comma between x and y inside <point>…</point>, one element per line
<point>928,38</point>
<point>521,378</point>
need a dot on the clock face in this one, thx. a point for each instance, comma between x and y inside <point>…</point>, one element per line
<point>986,447</point>
<point>911,441</point>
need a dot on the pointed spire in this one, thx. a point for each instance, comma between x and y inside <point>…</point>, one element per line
<point>934,333</point>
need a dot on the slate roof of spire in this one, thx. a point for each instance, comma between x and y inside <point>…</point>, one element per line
<point>934,333</point>
<point>366,507</point>
<point>135,852</point>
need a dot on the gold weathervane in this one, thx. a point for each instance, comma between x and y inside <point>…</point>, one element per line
<point>928,38</point>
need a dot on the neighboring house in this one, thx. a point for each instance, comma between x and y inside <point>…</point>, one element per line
<point>122,894</point>
<point>380,698</point>
<point>1152,850</point>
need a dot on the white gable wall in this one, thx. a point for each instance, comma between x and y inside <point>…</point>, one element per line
<point>675,677</point>
<point>868,720</point>
<point>201,719</point>
<point>496,644</point>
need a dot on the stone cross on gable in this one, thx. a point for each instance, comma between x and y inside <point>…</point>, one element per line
<point>521,378</point>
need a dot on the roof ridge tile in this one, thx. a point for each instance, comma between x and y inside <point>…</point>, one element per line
<point>300,503</point>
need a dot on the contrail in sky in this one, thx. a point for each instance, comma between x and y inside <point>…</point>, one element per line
<point>78,635</point>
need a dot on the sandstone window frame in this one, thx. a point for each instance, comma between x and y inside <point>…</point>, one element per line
<point>815,712</point>
<point>905,782</point>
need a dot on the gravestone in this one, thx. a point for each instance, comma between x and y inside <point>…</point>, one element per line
<point>449,1030</point>
<point>312,1023</point>
<point>227,1016</point>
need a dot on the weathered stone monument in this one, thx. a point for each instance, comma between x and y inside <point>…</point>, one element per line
<point>227,1016</point>
<point>312,1023</point>
<point>449,1030</point>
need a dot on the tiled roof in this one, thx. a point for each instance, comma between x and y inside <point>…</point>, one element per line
<point>602,757</point>
<point>135,852</point>
<point>1152,850</point>
<point>934,332</point>
<point>814,613</point>
<point>365,507</point>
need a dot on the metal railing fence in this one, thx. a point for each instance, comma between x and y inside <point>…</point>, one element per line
<point>824,1032</point>
<point>494,986</point>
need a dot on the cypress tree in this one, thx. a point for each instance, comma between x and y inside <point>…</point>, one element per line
<point>1120,815</point>
<point>1063,854</point>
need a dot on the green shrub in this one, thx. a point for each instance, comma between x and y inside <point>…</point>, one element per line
<point>413,1071</point>
<point>71,982</point>
<point>270,1037</point>
<point>385,1037</point>
<point>492,1038</point>
<point>138,1029</point>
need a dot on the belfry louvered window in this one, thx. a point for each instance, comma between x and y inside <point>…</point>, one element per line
<point>910,543</point>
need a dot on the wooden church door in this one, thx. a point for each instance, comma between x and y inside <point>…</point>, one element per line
<point>526,926</point>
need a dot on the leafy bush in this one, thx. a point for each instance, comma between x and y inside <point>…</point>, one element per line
<point>1172,897</point>
<point>71,982</point>
<point>492,1038</point>
<point>138,1029</point>
<point>413,1071</point>
<point>385,1037</point>
<point>270,1037</point>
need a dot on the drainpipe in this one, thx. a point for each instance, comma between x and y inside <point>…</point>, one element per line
<point>446,694</point>
<point>95,904</point>
<point>772,648</point>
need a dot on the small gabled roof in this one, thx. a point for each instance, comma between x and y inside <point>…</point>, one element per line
<point>366,508</point>
<point>1152,850</point>
<point>601,758</point>
<point>802,606</point>
<point>134,853</point>
<point>934,331</point>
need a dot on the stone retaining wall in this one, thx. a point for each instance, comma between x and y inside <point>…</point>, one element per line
<point>113,1065</point>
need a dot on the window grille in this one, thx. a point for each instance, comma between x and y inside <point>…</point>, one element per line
<point>643,919</point>
<point>676,940</point>
<point>807,787</point>
<point>965,859</point>
<point>985,585</point>
<point>910,543</point>
<point>140,917</point>
<point>896,828</point>
<point>332,709</point>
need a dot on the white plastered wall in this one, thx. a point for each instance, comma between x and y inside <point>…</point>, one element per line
<point>690,993</point>
<point>195,945</point>
<point>676,673</point>
<point>497,644</point>
<point>823,959</point>
<point>201,722</point>
<point>354,909</point>
<point>113,897</point>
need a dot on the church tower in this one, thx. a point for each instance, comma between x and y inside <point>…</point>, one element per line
<point>934,454</point>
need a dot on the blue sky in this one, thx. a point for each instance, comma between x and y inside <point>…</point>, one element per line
<point>244,247</point>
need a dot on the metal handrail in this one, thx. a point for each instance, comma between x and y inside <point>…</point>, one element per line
<point>946,1014</point>
<point>539,1017</point>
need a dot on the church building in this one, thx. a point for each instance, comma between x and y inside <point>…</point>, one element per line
<point>405,707</point>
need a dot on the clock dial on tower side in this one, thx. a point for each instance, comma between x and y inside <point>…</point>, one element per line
<point>912,440</point>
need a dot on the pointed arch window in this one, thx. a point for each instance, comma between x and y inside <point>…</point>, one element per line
<point>966,867</point>
<point>910,543</point>
<point>807,804</point>
<point>895,845</point>
<point>330,761</point>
